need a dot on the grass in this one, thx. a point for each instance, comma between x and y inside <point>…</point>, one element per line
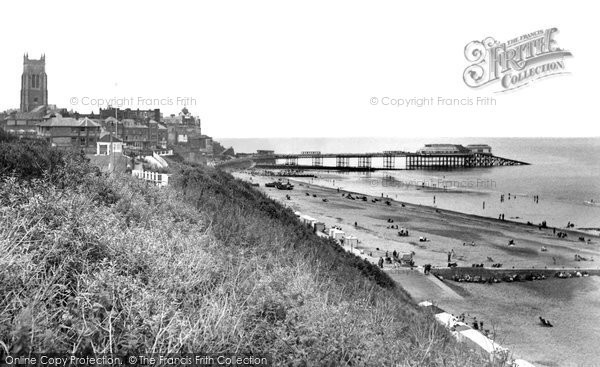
<point>91,263</point>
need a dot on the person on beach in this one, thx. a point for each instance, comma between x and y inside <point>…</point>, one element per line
<point>449,256</point>
<point>380,263</point>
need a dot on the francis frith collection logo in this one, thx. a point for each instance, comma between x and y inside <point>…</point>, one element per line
<point>514,63</point>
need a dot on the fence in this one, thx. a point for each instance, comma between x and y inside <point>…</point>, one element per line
<point>158,179</point>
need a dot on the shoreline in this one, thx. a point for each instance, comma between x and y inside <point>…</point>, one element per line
<point>530,233</point>
<point>577,231</point>
<point>511,309</point>
<point>410,188</point>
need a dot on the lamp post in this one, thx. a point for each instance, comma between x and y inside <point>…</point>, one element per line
<point>112,148</point>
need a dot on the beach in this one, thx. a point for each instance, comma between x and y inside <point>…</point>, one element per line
<point>563,173</point>
<point>510,310</point>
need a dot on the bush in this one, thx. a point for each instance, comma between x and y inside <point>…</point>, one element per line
<point>107,264</point>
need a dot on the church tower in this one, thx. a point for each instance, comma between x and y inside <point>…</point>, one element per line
<point>34,83</point>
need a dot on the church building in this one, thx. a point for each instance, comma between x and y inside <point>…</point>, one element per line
<point>34,84</point>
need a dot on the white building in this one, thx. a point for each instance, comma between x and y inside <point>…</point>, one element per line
<point>104,147</point>
<point>442,149</point>
<point>480,148</point>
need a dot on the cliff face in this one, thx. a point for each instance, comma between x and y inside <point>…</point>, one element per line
<point>93,263</point>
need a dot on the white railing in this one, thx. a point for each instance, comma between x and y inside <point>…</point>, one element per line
<point>159,179</point>
<point>164,152</point>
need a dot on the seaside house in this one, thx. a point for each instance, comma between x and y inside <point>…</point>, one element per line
<point>24,124</point>
<point>70,133</point>
<point>138,135</point>
<point>107,145</point>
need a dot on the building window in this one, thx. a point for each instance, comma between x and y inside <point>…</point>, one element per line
<point>35,81</point>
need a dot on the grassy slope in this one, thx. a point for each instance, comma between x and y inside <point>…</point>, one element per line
<point>90,263</point>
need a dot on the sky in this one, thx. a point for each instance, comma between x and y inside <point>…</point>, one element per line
<point>304,69</point>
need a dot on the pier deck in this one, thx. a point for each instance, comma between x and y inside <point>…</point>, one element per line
<point>396,160</point>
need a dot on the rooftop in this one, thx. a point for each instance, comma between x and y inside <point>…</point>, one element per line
<point>105,138</point>
<point>69,122</point>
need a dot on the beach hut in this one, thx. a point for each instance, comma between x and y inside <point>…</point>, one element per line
<point>319,226</point>
<point>350,241</point>
<point>336,234</point>
<point>307,220</point>
<point>446,319</point>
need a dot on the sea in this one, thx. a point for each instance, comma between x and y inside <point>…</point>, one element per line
<point>563,174</point>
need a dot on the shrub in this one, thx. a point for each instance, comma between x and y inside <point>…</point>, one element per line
<point>107,264</point>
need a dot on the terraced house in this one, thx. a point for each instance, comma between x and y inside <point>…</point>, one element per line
<point>136,134</point>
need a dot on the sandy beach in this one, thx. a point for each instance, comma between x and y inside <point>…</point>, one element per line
<point>511,310</point>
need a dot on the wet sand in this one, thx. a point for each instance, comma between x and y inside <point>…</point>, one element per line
<point>511,311</point>
<point>513,308</point>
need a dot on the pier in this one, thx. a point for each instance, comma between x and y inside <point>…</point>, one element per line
<point>389,160</point>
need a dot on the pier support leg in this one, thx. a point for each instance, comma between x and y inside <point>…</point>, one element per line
<point>317,161</point>
<point>388,162</point>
